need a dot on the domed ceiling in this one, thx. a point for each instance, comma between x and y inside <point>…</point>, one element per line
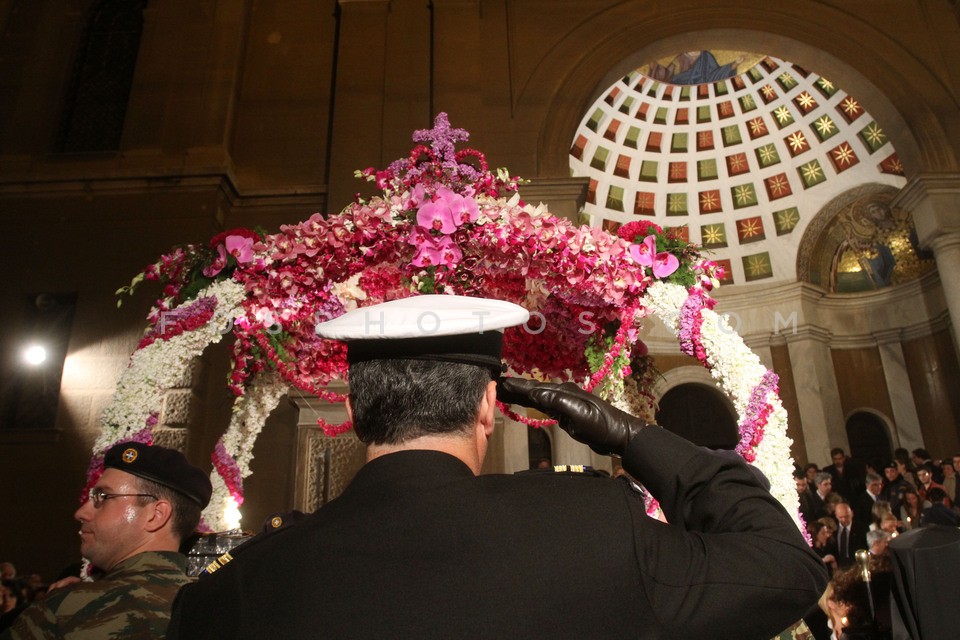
<point>737,151</point>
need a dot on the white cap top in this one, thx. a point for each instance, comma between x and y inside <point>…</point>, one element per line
<point>424,316</point>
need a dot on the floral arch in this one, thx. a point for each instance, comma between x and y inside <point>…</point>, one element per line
<point>441,223</point>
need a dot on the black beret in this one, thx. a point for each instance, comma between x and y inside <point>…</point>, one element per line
<point>164,466</point>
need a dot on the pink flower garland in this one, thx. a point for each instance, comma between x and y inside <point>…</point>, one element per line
<point>691,320</point>
<point>228,469</point>
<point>755,417</point>
<point>173,323</point>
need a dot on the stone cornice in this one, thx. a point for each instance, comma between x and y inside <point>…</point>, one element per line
<point>924,185</point>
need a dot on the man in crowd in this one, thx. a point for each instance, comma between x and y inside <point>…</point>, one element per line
<point>863,511</point>
<point>893,487</point>
<point>147,501</point>
<point>847,475</point>
<point>824,483</point>
<point>420,545</point>
<point>877,542</point>
<point>851,536</point>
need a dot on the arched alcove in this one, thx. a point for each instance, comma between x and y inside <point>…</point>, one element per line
<point>540,447</point>
<point>859,242</point>
<point>701,414</point>
<point>869,437</point>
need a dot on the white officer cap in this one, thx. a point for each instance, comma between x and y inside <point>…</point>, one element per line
<point>446,328</point>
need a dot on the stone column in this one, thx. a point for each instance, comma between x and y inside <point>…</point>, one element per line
<point>907,423</point>
<point>821,413</point>
<point>934,202</point>
<point>325,465</point>
<point>564,197</point>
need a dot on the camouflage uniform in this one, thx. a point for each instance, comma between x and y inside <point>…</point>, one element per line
<point>132,601</point>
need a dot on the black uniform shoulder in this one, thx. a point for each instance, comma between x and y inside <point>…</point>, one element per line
<point>272,526</point>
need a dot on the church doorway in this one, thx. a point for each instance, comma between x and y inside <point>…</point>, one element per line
<point>701,414</point>
<point>869,439</point>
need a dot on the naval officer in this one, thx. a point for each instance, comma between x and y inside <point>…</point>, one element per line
<point>420,545</point>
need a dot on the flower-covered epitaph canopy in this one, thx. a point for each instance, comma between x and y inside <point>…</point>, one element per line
<point>442,222</point>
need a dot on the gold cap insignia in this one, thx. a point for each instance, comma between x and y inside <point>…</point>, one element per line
<point>129,455</point>
<point>276,522</point>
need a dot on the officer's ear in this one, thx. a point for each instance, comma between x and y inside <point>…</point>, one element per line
<point>158,514</point>
<point>488,404</point>
<point>349,409</point>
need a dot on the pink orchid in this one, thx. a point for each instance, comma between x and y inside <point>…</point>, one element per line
<point>664,264</point>
<point>240,248</point>
<point>432,251</point>
<point>645,252</point>
<point>447,212</point>
<point>217,265</point>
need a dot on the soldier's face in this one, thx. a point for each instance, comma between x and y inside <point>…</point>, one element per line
<point>112,532</point>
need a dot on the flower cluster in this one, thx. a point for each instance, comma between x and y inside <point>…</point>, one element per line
<point>442,222</point>
<point>741,375</point>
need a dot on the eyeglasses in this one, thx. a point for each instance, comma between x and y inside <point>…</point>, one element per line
<point>98,495</point>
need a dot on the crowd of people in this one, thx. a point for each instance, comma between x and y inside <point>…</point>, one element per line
<point>850,506</point>
<point>422,545</point>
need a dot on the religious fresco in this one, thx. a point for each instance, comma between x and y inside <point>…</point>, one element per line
<point>700,67</point>
<point>871,246</point>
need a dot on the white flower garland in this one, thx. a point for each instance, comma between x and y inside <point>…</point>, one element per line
<point>249,415</point>
<point>156,367</point>
<point>738,371</point>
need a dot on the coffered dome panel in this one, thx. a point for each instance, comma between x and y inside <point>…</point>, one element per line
<point>738,160</point>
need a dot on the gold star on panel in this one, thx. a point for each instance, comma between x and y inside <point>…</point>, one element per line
<point>757,266</point>
<point>825,127</point>
<point>786,220</point>
<point>797,142</point>
<point>713,235</point>
<point>768,154</point>
<point>844,155</point>
<point>744,195</point>
<point>677,203</point>
<point>850,106</point>
<point>783,115</point>
<point>805,100</point>
<point>779,186</point>
<point>812,172</point>
<point>709,201</point>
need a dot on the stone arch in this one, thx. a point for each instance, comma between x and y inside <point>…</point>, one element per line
<point>890,78</point>
<point>870,434</point>
<point>812,240</point>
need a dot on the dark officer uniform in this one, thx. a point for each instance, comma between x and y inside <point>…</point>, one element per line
<point>418,547</point>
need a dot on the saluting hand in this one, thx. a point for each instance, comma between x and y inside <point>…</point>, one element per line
<point>587,418</point>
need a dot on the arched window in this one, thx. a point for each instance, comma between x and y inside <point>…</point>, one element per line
<point>869,439</point>
<point>700,414</point>
<point>541,451</point>
<point>96,100</point>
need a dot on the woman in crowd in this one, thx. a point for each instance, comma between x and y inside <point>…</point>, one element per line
<point>822,531</point>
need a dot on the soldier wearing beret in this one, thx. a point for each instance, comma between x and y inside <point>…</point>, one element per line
<point>420,545</point>
<point>147,501</point>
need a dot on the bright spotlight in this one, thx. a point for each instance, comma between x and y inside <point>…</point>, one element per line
<point>34,355</point>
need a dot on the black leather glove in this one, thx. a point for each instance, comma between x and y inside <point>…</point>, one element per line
<point>587,418</point>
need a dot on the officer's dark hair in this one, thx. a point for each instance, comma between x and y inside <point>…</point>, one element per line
<point>186,512</point>
<point>394,401</point>
<point>936,495</point>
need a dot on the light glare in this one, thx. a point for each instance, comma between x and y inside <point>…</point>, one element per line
<point>35,355</point>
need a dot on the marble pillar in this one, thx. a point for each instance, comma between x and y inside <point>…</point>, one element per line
<point>821,413</point>
<point>906,421</point>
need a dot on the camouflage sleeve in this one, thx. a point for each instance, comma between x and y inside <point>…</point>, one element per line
<point>36,621</point>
